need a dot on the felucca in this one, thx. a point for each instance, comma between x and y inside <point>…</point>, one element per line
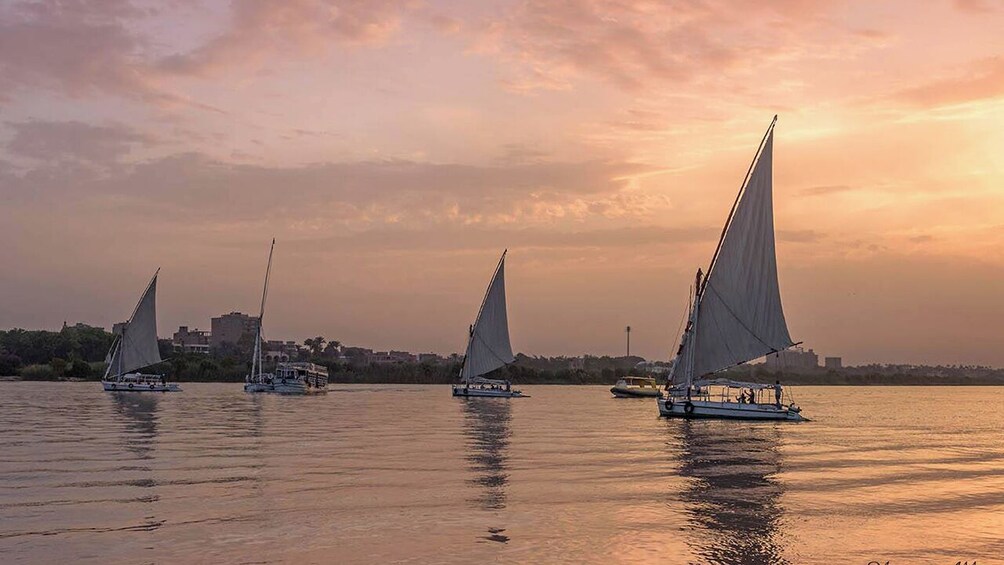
<point>288,378</point>
<point>488,346</point>
<point>136,348</point>
<point>736,314</point>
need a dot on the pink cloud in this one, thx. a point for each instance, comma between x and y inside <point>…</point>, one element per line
<point>635,43</point>
<point>260,29</point>
<point>983,79</point>
<point>52,141</point>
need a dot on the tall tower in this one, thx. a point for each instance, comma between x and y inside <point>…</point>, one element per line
<point>628,332</point>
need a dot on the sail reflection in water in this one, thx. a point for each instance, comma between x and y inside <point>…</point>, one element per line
<point>138,413</point>
<point>733,500</point>
<point>488,432</point>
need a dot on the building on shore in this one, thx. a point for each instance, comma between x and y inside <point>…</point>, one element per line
<point>792,360</point>
<point>833,363</point>
<point>432,358</point>
<point>385,357</point>
<point>191,341</point>
<point>230,328</point>
<point>279,351</point>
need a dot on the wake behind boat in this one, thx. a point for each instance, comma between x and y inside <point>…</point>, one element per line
<point>288,378</point>
<point>136,348</point>
<point>488,346</point>
<point>736,313</point>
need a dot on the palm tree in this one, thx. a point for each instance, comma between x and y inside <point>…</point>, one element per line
<point>332,348</point>
<point>315,345</point>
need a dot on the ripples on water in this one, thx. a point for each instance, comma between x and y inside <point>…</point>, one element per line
<point>411,475</point>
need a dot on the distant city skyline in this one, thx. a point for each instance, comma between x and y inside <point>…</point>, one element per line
<point>394,149</point>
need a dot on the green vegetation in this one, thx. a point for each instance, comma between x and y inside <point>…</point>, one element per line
<point>77,353</point>
<point>43,355</point>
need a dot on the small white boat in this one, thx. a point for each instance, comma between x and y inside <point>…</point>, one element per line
<point>488,346</point>
<point>292,378</point>
<point>636,387</point>
<point>735,313</point>
<point>136,348</point>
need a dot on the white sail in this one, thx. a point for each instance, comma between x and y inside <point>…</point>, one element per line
<point>137,347</point>
<point>738,315</point>
<point>488,347</point>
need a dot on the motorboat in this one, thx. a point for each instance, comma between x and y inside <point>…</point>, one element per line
<point>636,387</point>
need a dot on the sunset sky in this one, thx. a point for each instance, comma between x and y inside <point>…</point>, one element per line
<point>394,149</point>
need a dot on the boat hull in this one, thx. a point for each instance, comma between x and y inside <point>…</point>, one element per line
<point>620,392</point>
<point>284,388</point>
<point>111,386</point>
<point>682,408</point>
<point>467,392</point>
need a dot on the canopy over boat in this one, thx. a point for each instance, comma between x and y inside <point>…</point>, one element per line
<point>736,315</point>
<point>488,346</point>
<point>732,384</point>
<point>137,347</point>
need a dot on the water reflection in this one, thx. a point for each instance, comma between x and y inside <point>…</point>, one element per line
<point>733,497</point>
<point>139,412</point>
<point>487,429</point>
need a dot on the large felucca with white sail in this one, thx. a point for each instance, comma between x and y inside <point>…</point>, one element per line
<point>136,348</point>
<point>488,346</point>
<point>736,313</point>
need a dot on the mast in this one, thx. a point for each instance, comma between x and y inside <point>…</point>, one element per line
<point>256,354</point>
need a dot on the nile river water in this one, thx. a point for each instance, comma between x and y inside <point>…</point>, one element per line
<point>408,474</point>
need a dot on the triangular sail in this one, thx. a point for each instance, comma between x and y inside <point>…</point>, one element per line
<point>738,316</point>
<point>137,346</point>
<point>488,347</point>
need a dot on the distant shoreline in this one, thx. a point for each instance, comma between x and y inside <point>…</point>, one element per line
<point>878,380</point>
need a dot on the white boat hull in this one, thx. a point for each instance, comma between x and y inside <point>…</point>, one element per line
<point>467,392</point>
<point>635,392</point>
<point>683,408</point>
<point>289,387</point>
<point>112,386</point>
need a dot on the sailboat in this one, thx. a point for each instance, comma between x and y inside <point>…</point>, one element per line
<point>136,348</point>
<point>288,378</point>
<point>735,314</point>
<point>488,346</point>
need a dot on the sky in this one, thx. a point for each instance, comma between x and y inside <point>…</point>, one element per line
<point>395,148</point>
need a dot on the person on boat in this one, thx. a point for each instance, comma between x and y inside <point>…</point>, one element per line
<point>752,397</point>
<point>777,392</point>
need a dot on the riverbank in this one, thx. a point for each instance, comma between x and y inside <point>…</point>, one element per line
<point>787,380</point>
